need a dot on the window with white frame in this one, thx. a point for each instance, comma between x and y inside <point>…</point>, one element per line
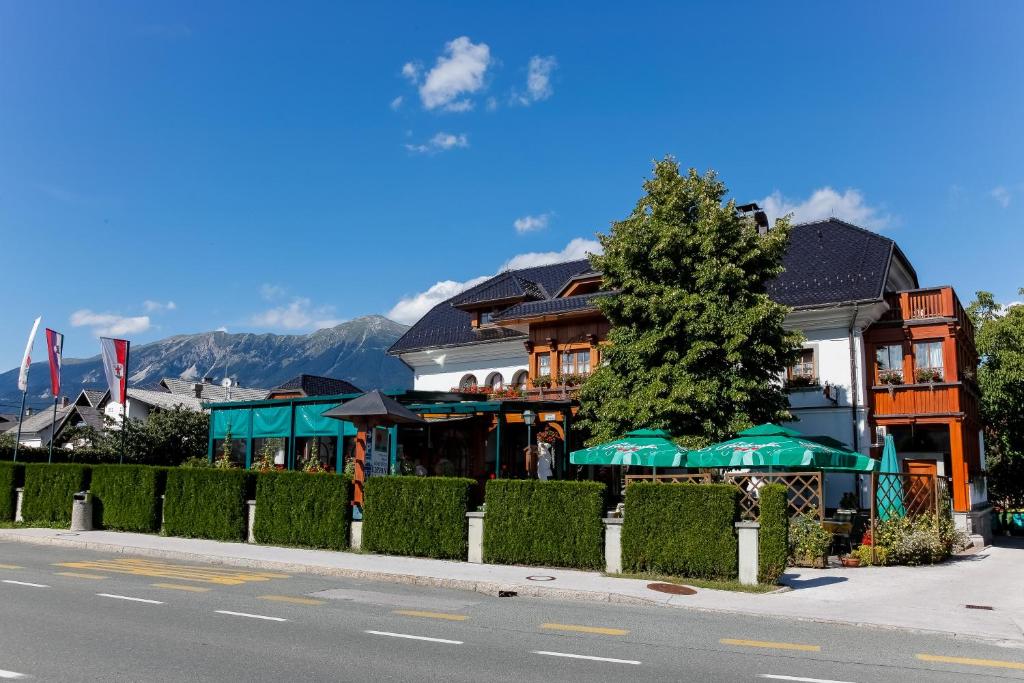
<point>519,380</point>
<point>889,364</point>
<point>928,365</point>
<point>496,381</point>
<point>576,362</point>
<point>544,365</point>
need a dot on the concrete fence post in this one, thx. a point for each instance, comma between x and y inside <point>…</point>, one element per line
<point>250,521</point>
<point>749,561</point>
<point>356,535</point>
<point>476,537</point>
<point>613,545</point>
<point>163,508</point>
<point>19,495</point>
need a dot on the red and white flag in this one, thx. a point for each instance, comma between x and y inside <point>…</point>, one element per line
<point>55,347</point>
<point>26,360</point>
<point>115,365</point>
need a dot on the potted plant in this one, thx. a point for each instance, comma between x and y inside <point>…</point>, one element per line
<point>801,381</point>
<point>542,382</point>
<point>890,377</point>
<point>928,375</point>
<point>851,560</point>
<point>809,541</point>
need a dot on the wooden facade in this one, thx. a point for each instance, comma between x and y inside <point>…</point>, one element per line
<point>559,348</point>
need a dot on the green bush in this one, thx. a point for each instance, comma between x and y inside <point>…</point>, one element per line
<point>420,516</point>
<point>49,490</point>
<point>206,503</point>
<point>808,540</point>
<point>910,541</point>
<point>127,497</point>
<point>295,508</point>
<point>773,550</point>
<point>11,476</point>
<point>681,529</point>
<point>548,523</point>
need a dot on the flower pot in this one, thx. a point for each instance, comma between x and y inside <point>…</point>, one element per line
<point>812,562</point>
<point>851,561</point>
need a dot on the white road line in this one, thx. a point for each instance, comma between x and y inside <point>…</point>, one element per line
<point>411,637</point>
<point>800,679</point>
<point>251,616</point>
<point>25,583</point>
<point>589,657</point>
<point>11,674</point>
<point>129,598</point>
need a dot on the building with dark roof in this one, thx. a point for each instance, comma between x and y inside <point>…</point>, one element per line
<point>303,386</point>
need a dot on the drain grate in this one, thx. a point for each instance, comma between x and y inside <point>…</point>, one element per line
<point>988,607</point>
<point>671,588</point>
<point>507,594</point>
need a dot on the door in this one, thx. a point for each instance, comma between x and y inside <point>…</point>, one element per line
<point>920,495</point>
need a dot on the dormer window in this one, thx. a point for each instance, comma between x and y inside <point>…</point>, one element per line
<point>485,317</point>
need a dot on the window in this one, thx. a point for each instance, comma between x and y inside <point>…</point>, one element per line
<point>576,362</point>
<point>801,373</point>
<point>544,365</point>
<point>485,317</point>
<point>928,361</point>
<point>467,381</point>
<point>519,380</point>
<point>496,381</point>
<point>889,364</point>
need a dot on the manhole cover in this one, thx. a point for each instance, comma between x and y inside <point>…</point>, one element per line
<point>671,588</point>
<point>540,578</point>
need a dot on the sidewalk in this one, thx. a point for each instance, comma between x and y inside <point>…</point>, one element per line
<point>919,598</point>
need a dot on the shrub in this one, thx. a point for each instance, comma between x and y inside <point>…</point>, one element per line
<point>420,516</point>
<point>910,541</point>
<point>11,476</point>
<point>295,508</point>
<point>773,550</point>
<point>863,553</point>
<point>206,503</point>
<point>127,497</point>
<point>681,529</point>
<point>808,540</point>
<point>550,523</point>
<point>49,490</point>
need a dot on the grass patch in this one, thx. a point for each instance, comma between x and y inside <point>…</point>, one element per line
<point>713,584</point>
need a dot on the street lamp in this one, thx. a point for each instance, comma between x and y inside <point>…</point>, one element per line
<point>529,419</point>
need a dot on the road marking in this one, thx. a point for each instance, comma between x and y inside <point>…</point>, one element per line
<point>4,673</point>
<point>768,644</point>
<point>430,615</point>
<point>129,598</point>
<point>801,679</point>
<point>251,616</point>
<point>588,657</point>
<point>411,637</point>
<point>223,576</point>
<point>76,575</point>
<point>292,599</point>
<point>586,629</point>
<point>10,566</point>
<point>996,663</point>
<point>25,583</point>
<point>176,587</point>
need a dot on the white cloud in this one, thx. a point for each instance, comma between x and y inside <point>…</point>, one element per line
<point>527,224</point>
<point>411,72</point>
<point>441,142</point>
<point>271,292</point>
<point>826,203</point>
<point>158,306</point>
<point>109,323</point>
<point>299,314</point>
<point>396,103</point>
<point>459,71</point>
<point>1001,195</point>
<point>538,81</point>
<point>222,328</point>
<point>411,308</point>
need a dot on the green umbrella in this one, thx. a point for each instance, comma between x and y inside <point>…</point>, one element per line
<point>889,497</point>
<point>771,446</point>
<point>640,448</point>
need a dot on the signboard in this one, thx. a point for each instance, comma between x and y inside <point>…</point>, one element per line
<point>378,463</point>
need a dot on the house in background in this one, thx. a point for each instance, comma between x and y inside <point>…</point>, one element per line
<point>303,386</point>
<point>38,428</point>
<point>170,393</point>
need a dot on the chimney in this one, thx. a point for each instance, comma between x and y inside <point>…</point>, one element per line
<point>65,401</point>
<point>760,217</point>
<point>198,388</point>
<point>28,411</point>
<point>207,380</point>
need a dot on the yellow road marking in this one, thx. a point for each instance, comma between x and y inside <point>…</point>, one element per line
<point>176,587</point>
<point>9,566</point>
<point>81,576</point>
<point>292,599</point>
<point>996,663</point>
<point>768,644</point>
<point>166,570</point>
<point>430,615</point>
<point>586,629</point>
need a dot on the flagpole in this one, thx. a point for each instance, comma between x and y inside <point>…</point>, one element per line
<point>124,404</point>
<point>21,419</point>
<point>53,430</point>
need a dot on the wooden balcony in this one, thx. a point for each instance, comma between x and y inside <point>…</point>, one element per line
<point>925,304</point>
<point>917,400</point>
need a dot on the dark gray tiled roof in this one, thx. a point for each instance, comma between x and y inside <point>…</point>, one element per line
<point>501,288</point>
<point>530,309</point>
<point>314,385</point>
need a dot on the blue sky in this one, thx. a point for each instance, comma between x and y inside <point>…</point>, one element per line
<point>276,168</point>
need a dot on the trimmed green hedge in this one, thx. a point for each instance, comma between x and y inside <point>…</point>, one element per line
<point>420,516</point>
<point>681,529</point>
<point>773,550</point>
<point>11,476</point>
<point>206,503</point>
<point>548,523</point>
<point>295,508</point>
<point>49,490</point>
<point>127,497</point>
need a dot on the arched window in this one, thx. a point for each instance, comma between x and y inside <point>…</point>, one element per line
<point>468,381</point>
<point>495,381</point>
<point>519,380</point>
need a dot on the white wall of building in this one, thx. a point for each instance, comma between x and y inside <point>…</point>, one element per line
<point>136,410</point>
<point>442,369</point>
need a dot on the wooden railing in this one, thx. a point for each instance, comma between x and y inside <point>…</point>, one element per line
<point>669,478</point>
<point>916,399</point>
<point>920,304</point>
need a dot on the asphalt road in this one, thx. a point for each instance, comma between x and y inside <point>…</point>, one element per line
<point>71,615</point>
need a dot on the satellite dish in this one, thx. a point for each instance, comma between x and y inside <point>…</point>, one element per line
<point>227,383</point>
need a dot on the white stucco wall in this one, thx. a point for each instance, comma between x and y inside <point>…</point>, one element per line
<point>443,369</point>
<point>136,410</point>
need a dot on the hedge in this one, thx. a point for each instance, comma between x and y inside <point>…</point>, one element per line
<point>206,503</point>
<point>81,456</point>
<point>49,490</point>
<point>11,476</point>
<point>295,508</point>
<point>681,529</point>
<point>773,546</point>
<point>548,523</point>
<point>127,497</point>
<point>420,516</point>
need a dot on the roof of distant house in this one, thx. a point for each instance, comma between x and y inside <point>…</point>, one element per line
<point>315,385</point>
<point>212,392</point>
<point>165,399</point>
<point>94,397</point>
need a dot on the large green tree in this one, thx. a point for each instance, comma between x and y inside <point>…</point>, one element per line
<point>1000,341</point>
<point>696,343</point>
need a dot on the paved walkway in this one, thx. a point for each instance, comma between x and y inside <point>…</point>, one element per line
<point>920,598</point>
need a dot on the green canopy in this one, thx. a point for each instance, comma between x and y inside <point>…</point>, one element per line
<point>773,446</point>
<point>641,448</point>
<point>889,497</point>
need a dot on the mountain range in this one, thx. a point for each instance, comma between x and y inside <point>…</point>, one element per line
<point>354,351</point>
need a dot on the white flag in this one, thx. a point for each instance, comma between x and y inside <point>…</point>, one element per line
<point>27,360</point>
